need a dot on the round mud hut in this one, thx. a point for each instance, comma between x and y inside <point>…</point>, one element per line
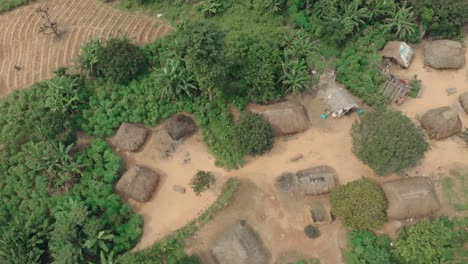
<point>130,137</point>
<point>464,101</point>
<point>444,54</point>
<point>138,183</point>
<point>239,245</point>
<point>285,118</point>
<point>441,122</point>
<point>180,126</point>
<point>413,197</point>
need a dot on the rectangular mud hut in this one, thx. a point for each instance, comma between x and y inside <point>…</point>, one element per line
<point>412,197</point>
<point>398,51</point>
<point>338,101</point>
<point>138,183</point>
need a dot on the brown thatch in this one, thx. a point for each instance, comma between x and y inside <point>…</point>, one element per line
<point>444,54</point>
<point>239,245</point>
<point>180,126</point>
<point>285,118</point>
<point>398,51</point>
<point>464,101</point>
<point>138,183</point>
<point>130,137</point>
<point>320,214</point>
<point>339,102</point>
<point>316,180</point>
<point>441,122</point>
<point>410,198</point>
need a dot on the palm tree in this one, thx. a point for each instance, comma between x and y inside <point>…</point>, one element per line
<point>402,21</point>
<point>210,7</point>
<point>174,80</point>
<point>353,16</point>
<point>296,76</point>
<point>62,94</point>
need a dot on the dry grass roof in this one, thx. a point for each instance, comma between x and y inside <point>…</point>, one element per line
<point>313,181</point>
<point>399,51</point>
<point>130,137</point>
<point>441,122</point>
<point>338,100</point>
<point>138,183</point>
<point>180,126</point>
<point>464,101</point>
<point>410,198</point>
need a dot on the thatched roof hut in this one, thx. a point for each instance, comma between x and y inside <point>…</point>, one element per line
<point>398,51</point>
<point>441,122</point>
<point>464,101</point>
<point>130,137</point>
<point>319,213</point>
<point>410,198</point>
<point>339,102</point>
<point>316,180</point>
<point>180,126</point>
<point>138,183</point>
<point>285,118</point>
<point>444,54</point>
<point>239,245</point>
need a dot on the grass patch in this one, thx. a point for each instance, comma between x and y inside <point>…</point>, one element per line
<point>7,5</point>
<point>455,189</point>
<point>171,249</point>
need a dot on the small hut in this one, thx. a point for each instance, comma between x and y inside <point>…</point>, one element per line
<point>464,101</point>
<point>320,214</point>
<point>398,51</point>
<point>130,137</point>
<point>180,126</point>
<point>339,102</point>
<point>317,180</point>
<point>239,245</point>
<point>410,198</point>
<point>285,118</point>
<point>441,122</point>
<point>444,54</point>
<point>138,183</point>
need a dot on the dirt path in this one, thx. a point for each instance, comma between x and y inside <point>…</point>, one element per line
<point>39,55</point>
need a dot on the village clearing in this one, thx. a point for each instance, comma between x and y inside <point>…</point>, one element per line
<point>278,220</point>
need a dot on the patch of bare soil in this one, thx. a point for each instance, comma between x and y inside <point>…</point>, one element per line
<point>27,56</point>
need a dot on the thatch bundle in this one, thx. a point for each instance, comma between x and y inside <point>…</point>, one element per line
<point>313,181</point>
<point>410,198</point>
<point>444,54</point>
<point>180,126</point>
<point>464,101</point>
<point>441,122</point>
<point>398,51</point>
<point>239,245</point>
<point>130,137</point>
<point>285,118</point>
<point>138,183</point>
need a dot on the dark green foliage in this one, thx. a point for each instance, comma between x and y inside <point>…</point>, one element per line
<point>253,135</point>
<point>428,241</point>
<point>88,58</point>
<point>202,181</point>
<point>367,248</point>
<point>387,141</point>
<point>119,60</point>
<point>359,204</point>
<point>415,85</point>
<point>311,231</point>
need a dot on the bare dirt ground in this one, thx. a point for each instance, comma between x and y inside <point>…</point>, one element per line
<point>39,55</point>
<point>279,222</point>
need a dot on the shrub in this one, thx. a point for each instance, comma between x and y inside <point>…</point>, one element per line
<point>120,61</point>
<point>311,231</point>
<point>387,141</point>
<point>202,181</point>
<point>359,204</point>
<point>253,135</point>
<point>428,241</point>
<point>415,85</point>
<point>367,248</point>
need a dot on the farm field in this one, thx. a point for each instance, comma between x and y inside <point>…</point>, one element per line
<point>38,55</point>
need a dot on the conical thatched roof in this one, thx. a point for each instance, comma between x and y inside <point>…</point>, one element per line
<point>313,181</point>
<point>410,198</point>
<point>180,126</point>
<point>398,51</point>
<point>130,137</point>
<point>239,245</point>
<point>464,101</point>
<point>285,118</point>
<point>138,183</point>
<point>441,122</point>
<point>444,54</point>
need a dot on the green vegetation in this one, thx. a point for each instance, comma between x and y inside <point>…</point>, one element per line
<point>359,204</point>
<point>415,85</point>
<point>253,135</point>
<point>6,5</point>
<point>307,261</point>
<point>202,181</point>
<point>366,248</point>
<point>171,249</point>
<point>387,141</point>
<point>455,189</point>
<point>311,231</point>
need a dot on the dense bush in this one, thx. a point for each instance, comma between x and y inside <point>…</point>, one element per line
<point>359,204</point>
<point>387,141</point>
<point>367,248</point>
<point>202,181</point>
<point>253,135</point>
<point>119,60</point>
<point>311,231</point>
